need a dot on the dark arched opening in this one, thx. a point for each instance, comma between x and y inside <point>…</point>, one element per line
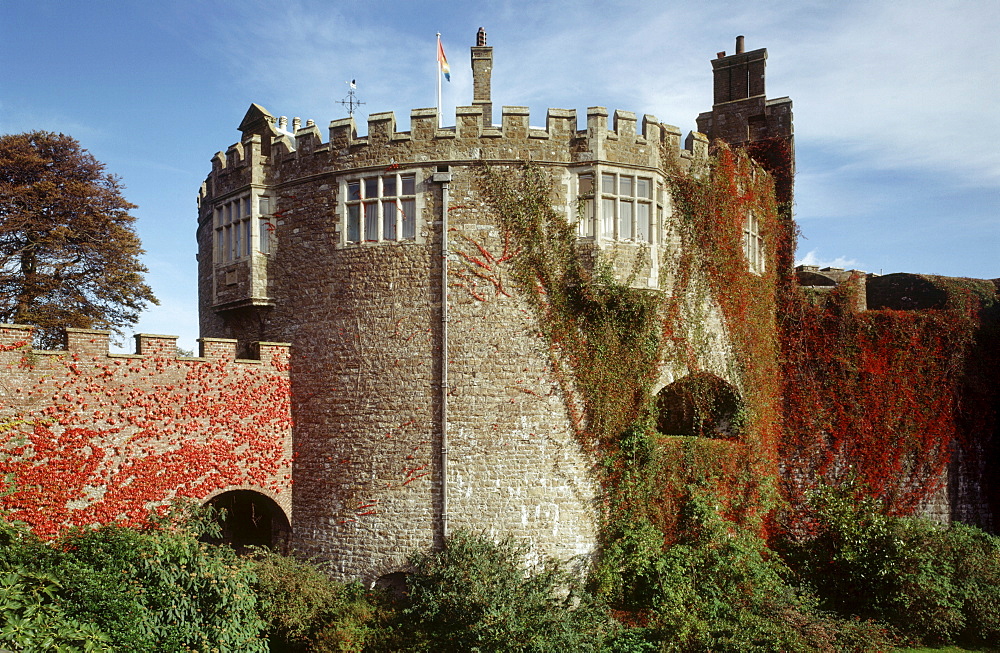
<point>700,404</point>
<point>249,518</point>
<point>394,584</point>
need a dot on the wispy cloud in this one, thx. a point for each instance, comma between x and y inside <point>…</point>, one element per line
<point>813,257</point>
<point>17,117</point>
<point>901,84</point>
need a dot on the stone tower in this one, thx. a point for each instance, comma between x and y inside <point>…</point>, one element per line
<point>424,398</point>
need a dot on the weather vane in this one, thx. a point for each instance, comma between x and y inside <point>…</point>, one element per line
<point>351,101</point>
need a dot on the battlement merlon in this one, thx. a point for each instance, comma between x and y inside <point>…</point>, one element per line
<point>515,128</point>
<point>17,338</point>
<point>268,151</point>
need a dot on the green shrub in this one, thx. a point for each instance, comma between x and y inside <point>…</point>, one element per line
<point>157,589</point>
<point>475,595</point>
<point>938,584</point>
<point>31,618</point>
<point>627,573</point>
<point>307,611</point>
<point>718,588</point>
<point>976,563</point>
<point>161,589</point>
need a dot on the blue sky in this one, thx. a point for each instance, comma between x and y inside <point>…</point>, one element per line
<point>895,102</point>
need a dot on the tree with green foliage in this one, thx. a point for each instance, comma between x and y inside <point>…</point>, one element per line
<point>69,254</point>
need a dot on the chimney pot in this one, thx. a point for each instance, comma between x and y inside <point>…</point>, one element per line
<point>739,44</point>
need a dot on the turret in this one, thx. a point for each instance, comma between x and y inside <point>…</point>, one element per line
<point>742,115</point>
<point>482,69</point>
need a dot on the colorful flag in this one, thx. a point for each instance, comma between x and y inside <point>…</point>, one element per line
<point>443,61</point>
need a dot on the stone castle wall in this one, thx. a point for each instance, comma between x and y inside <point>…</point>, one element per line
<point>95,438</point>
<point>365,321</point>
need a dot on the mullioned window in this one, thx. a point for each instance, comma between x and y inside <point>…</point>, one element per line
<point>380,208</point>
<point>622,205</point>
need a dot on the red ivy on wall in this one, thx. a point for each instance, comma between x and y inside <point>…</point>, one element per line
<point>884,398</point>
<point>108,439</point>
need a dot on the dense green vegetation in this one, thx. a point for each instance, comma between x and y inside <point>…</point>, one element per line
<point>866,582</point>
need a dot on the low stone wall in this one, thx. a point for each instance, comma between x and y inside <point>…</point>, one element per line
<point>91,437</point>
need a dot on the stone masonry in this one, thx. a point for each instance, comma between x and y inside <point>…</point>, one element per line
<point>381,466</point>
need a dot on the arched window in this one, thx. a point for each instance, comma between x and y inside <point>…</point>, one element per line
<point>700,404</point>
<point>249,518</point>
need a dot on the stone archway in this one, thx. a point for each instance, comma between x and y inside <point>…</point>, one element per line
<point>394,583</point>
<point>700,404</point>
<point>250,519</point>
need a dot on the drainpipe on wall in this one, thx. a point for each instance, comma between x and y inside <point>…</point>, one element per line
<point>443,176</point>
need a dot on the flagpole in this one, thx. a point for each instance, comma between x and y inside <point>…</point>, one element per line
<point>437,58</point>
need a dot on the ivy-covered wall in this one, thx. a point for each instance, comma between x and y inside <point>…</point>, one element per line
<point>707,334</point>
<point>900,399</point>
<point>90,437</point>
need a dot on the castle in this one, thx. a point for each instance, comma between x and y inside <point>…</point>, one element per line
<point>422,393</point>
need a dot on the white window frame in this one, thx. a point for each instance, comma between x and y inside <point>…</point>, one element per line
<point>369,214</point>
<point>753,244</point>
<point>612,207</point>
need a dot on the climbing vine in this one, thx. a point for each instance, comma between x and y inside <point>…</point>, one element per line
<point>610,340</point>
<point>103,440</point>
<point>884,398</point>
<point>711,210</point>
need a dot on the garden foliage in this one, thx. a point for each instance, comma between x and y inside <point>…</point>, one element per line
<point>476,595</point>
<point>307,611</point>
<point>157,589</point>
<point>930,582</point>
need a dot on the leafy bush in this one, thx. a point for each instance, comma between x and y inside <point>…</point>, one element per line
<point>475,595</point>
<point>181,592</point>
<point>976,558</point>
<point>627,573</point>
<point>718,588</point>
<point>158,589</point>
<point>934,583</point>
<point>32,619</point>
<point>307,611</point>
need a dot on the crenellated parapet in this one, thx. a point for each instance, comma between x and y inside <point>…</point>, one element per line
<point>621,139</point>
<point>278,188</point>
<point>16,339</point>
<point>253,196</point>
<point>94,437</point>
